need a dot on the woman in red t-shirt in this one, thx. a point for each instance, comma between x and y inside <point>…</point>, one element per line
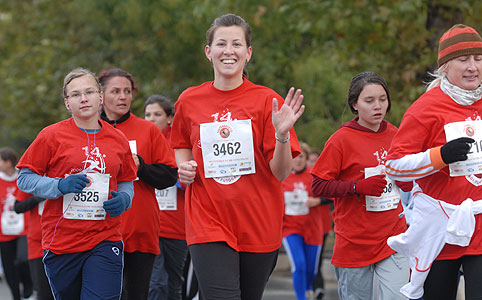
<point>232,144</point>
<point>302,225</point>
<point>351,170</point>
<point>167,271</point>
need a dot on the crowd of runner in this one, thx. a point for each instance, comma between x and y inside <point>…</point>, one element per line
<point>194,200</point>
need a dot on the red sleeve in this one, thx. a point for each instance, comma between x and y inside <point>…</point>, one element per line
<point>37,156</point>
<point>180,131</point>
<point>331,188</point>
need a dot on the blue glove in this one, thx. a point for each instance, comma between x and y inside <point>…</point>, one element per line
<point>117,204</point>
<point>73,184</point>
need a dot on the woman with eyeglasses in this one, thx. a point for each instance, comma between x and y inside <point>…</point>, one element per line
<point>156,169</point>
<point>84,167</point>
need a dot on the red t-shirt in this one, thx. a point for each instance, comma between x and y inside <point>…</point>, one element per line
<point>63,148</point>
<point>34,232</point>
<point>172,223</point>
<point>422,128</point>
<point>140,224</point>
<point>8,188</point>
<point>309,226</point>
<point>244,211</point>
<point>360,235</point>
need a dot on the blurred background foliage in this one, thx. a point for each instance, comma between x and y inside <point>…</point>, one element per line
<point>315,45</point>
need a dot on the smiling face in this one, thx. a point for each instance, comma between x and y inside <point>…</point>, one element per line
<point>372,106</point>
<point>83,98</point>
<point>156,114</point>
<point>118,97</point>
<point>228,53</point>
<point>465,71</point>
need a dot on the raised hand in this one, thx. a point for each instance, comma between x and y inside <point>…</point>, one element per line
<point>285,117</point>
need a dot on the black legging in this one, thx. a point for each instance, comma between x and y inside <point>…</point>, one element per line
<point>16,269</point>
<point>137,275</point>
<point>40,279</point>
<point>442,280</point>
<point>226,274</point>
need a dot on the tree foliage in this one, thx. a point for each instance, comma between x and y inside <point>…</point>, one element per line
<point>314,45</point>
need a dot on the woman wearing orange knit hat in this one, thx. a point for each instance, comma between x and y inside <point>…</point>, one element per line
<point>438,146</point>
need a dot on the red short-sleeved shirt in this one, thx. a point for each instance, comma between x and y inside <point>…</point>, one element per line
<point>63,148</point>
<point>360,235</point>
<point>140,224</point>
<point>309,226</point>
<point>244,211</point>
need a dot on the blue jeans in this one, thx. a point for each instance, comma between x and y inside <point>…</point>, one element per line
<point>167,272</point>
<point>92,274</point>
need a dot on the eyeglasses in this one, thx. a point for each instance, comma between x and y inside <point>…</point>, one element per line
<point>78,95</point>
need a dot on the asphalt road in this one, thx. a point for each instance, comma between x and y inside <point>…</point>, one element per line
<point>279,286</point>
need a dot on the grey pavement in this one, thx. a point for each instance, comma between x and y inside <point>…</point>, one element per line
<point>279,286</point>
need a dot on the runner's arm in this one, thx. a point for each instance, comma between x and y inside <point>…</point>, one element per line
<point>414,166</point>
<point>159,176</point>
<point>30,182</point>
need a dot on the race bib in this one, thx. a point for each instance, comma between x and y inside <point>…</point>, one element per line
<point>167,198</point>
<point>12,223</point>
<point>471,129</point>
<point>390,197</point>
<point>227,148</point>
<point>295,203</point>
<point>88,204</point>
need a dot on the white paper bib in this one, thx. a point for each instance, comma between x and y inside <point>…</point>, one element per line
<point>88,204</point>
<point>227,148</point>
<point>295,203</point>
<point>390,197</point>
<point>473,164</point>
<point>167,198</point>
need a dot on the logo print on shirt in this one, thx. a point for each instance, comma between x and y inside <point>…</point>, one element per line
<point>299,186</point>
<point>94,160</point>
<point>474,117</point>
<point>381,155</point>
<point>116,251</point>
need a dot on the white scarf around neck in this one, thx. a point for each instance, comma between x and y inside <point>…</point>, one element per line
<point>460,96</point>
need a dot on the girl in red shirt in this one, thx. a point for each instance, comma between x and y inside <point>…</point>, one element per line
<point>302,225</point>
<point>232,144</point>
<point>351,170</point>
<point>84,167</point>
